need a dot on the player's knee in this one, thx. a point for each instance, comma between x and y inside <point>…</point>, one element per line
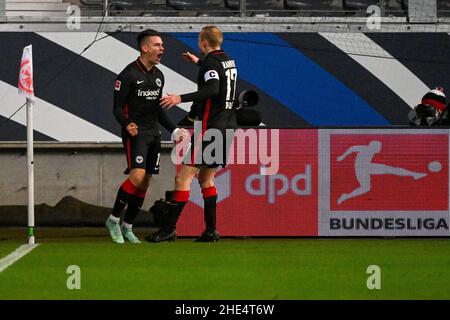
<point>138,177</point>
<point>206,179</point>
<point>179,180</point>
<point>182,183</point>
<point>206,183</point>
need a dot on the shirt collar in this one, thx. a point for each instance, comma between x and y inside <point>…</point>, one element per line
<point>143,68</point>
<point>216,52</point>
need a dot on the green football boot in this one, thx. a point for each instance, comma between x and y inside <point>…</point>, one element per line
<point>114,231</point>
<point>129,235</point>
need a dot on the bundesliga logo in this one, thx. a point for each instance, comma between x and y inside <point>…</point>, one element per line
<point>364,170</point>
<point>385,182</point>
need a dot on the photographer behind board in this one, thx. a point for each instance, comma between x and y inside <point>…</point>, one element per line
<point>432,111</point>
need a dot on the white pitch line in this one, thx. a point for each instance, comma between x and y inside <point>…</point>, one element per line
<point>16,255</point>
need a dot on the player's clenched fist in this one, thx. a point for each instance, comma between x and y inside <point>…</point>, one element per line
<point>132,129</point>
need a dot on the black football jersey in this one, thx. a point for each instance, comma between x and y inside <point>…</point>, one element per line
<point>137,94</point>
<point>217,111</point>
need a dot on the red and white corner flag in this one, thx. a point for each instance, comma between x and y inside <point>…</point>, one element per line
<point>26,88</point>
<point>25,85</point>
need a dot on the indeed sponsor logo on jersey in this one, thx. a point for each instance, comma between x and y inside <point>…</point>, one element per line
<point>149,94</point>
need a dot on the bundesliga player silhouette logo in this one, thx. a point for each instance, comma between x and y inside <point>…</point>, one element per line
<point>365,168</point>
<point>388,172</point>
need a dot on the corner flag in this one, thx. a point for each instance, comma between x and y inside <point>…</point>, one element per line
<point>26,73</point>
<point>26,88</point>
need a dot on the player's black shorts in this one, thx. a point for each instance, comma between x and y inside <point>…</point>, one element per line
<point>143,151</point>
<point>209,154</point>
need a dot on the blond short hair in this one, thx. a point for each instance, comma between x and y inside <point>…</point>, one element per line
<point>213,35</point>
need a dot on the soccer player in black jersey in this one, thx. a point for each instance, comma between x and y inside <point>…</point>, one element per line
<point>214,102</point>
<point>137,92</point>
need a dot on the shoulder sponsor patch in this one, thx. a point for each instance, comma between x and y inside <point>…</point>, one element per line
<point>211,74</point>
<point>117,85</point>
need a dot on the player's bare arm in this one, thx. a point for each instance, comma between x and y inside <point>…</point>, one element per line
<point>190,57</point>
<point>170,100</point>
<point>210,89</point>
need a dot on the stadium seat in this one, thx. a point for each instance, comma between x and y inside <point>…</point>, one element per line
<point>313,7</point>
<point>392,7</point>
<point>443,4</point>
<point>396,7</point>
<point>140,8</point>
<point>191,4</point>
<point>308,4</point>
<point>259,7</point>
<point>363,4</point>
<point>443,7</point>
<point>359,4</point>
<point>202,7</point>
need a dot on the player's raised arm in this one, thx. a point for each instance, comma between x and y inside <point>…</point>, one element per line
<point>191,58</point>
<point>210,89</point>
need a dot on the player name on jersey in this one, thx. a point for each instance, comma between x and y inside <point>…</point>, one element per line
<point>228,64</point>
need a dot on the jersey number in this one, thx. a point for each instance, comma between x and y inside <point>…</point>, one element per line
<point>231,87</point>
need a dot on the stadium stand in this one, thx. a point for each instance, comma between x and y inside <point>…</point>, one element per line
<point>40,8</point>
<point>213,7</point>
<point>392,7</point>
<point>260,7</point>
<point>443,7</point>
<point>201,7</point>
<point>140,8</point>
<point>314,8</point>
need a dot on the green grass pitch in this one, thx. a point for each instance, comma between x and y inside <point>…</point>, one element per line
<point>230,269</point>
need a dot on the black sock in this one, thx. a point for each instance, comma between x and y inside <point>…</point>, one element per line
<point>210,205</point>
<point>171,218</point>
<point>176,205</point>
<point>121,202</point>
<point>169,195</point>
<point>134,206</point>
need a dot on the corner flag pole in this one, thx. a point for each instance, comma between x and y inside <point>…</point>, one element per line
<point>26,88</point>
<point>30,162</point>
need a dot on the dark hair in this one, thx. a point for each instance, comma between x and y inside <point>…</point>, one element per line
<point>146,33</point>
